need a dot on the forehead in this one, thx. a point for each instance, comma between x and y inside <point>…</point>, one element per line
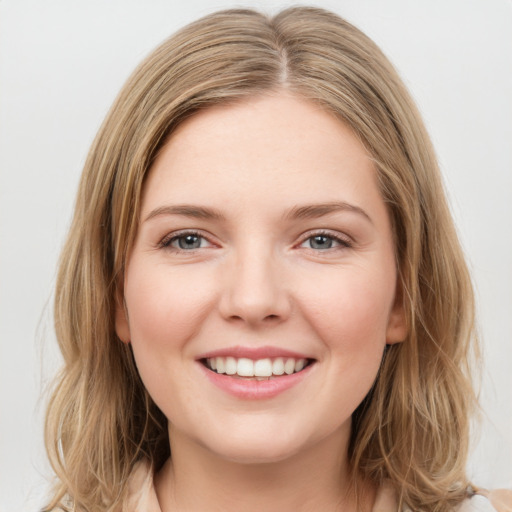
<point>282,145</point>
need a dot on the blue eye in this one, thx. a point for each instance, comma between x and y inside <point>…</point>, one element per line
<point>186,242</point>
<point>323,242</point>
<point>320,242</point>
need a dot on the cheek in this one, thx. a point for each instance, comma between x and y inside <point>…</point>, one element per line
<point>348,309</point>
<point>351,314</point>
<point>166,309</point>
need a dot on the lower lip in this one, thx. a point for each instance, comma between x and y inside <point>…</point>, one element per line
<point>248,389</point>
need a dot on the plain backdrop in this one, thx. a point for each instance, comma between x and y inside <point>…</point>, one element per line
<point>62,63</point>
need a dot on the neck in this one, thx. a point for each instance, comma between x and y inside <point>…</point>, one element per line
<point>317,478</point>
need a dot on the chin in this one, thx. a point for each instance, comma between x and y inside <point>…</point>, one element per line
<point>255,456</point>
<point>261,448</point>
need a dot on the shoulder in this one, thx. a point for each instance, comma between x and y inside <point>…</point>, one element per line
<point>498,500</point>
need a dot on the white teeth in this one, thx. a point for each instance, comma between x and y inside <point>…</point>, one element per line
<point>220,365</point>
<point>231,365</point>
<point>261,368</point>
<point>289,366</point>
<point>278,366</point>
<point>245,367</point>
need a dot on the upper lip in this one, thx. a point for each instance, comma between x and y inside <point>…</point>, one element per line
<point>253,353</point>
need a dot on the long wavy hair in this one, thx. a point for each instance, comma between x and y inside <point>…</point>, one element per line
<point>413,428</point>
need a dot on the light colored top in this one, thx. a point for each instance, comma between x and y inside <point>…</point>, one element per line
<point>142,497</point>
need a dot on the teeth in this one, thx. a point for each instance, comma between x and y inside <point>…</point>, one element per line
<point>278,366</point>
<point>289,366</point>
<point>261,368</point>
<point>245,367</point>
<point>231,365</point>
<point>219,362</point>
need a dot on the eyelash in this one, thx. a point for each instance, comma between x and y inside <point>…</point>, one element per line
<point>169,239</point>
<point>344,243</point>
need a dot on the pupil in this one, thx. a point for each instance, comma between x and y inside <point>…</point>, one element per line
<point>189,242</point>
<point>321,242</point>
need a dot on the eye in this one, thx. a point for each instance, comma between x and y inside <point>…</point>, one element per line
<point>187,241</point>
<point>323,241</point>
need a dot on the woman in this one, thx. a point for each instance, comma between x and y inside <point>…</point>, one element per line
<point>262,302</point>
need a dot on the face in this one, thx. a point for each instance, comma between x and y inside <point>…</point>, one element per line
<point>260,291</point>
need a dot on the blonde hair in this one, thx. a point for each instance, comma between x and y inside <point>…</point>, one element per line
<point>413,427</point>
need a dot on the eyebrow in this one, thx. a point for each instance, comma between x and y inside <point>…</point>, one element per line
<point>186,210</point>
<point>311,211</point>
<point>314,211</point>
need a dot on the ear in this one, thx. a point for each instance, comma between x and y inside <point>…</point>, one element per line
<point>397,329</point>
<point>121,317</point>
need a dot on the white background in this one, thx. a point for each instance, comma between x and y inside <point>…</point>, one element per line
<point>61,65</point>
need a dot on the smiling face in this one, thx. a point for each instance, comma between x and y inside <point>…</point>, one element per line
<point>264,247</point>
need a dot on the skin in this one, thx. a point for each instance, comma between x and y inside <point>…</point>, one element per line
<point>256,279</point>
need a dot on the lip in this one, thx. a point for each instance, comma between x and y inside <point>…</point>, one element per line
<point>253,353</point>
<point>248,389</point>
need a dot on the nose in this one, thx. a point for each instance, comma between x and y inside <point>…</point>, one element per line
<point>254,291</point>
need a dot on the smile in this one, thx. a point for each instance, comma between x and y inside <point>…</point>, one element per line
<point>259,369</point>
<point>255,373</point>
